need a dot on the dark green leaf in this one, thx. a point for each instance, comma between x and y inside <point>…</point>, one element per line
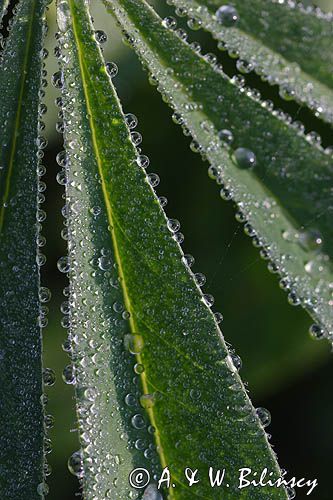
<point>21,412</point>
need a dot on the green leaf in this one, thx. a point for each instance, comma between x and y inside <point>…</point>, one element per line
<point>155,383</point>
<point>21,411</point>
<point>284,42</point>
<point>286,198</point>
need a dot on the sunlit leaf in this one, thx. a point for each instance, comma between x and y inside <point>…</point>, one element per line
<point>155,383</point>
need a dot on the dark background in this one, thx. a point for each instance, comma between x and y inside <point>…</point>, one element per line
<point>288,372</point>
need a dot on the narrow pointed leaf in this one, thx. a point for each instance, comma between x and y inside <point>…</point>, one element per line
<point>284,42</point>
<point>155,383</point>
<point>21,412</point>
<point>286,197</point>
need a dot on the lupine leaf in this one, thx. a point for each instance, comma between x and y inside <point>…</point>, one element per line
<point>155,383</point>
<point>286,198</point>
<point>285,42</point>
<point>21,411</point>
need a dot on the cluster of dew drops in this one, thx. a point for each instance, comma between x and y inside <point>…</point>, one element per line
<point>227,16</point>
<point>244,158</point>
<point>44,292</point>
<point>75,461</point>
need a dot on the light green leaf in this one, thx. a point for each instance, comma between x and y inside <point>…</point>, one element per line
<point>286,198</point>
<point>155,383</point>
<point>21,411</point>
<point>284,42</point>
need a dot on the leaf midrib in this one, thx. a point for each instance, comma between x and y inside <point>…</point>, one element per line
<point>17,118</point>
<point>114,238</point>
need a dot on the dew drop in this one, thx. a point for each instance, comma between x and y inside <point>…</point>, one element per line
<point>42,489</point>
<point>169,22</point>
<point>264,416</point>
<point>208,299</point>
<point>131,120</point>
<point>75,464</point>
<point>316,332</point>
<point>112,69</point>
<point>200,279</point>
<point>147,400</point>
<point>227,15</point>
<point>139,368</point>
<point>226,136</point>
<point>134,343</point>
<point>138,421</point>
<point>218,317</point>
<point>44,294</point>
<point>173,225</point>
<point>48,377</point>
<point>293,298</point>
<point>101,36</point>
<point>68,375</point>
<point>63,264</point>
<point>244,158</point>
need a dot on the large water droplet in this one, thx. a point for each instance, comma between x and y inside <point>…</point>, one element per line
<point>227,15</point>
<point>244,158</point>
<point>75,464</point>
<point>264,416</point>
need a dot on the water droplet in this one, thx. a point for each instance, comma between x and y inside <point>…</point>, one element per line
<point>227,15</point>
<point>316,332</point>
<point>153,180</point>
<point>287,93</point>
<point>218,317</point>
<point>139,368</point>
<point>290,492</point>
<point>173,225</point>
<point>48,377</point>
<point>58,80</point>
<point>75,464</point>
<point>42,489</point>
<point>226,136</point>
<point>134,343</point>
<point>264,416</point>
<point>188,260</point>
<point>68,375</point>
<point>63,264</point>
<point>112,69</point>
<point>101,36</point>
<point>104,263</point>
<point>244,158</point>
<point>49,421</point>
<point>138,421</point>
<point>143,161</point>
<point>208,299</point>
<point>147,400</point>
<point>169,22</point>
<point>130,400</point>
<point>131,120</point>
<point>44,294</point>
<point>293,298</point>
<point>311,239</point>
<point>200,279</point>
<point>194,23</point>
